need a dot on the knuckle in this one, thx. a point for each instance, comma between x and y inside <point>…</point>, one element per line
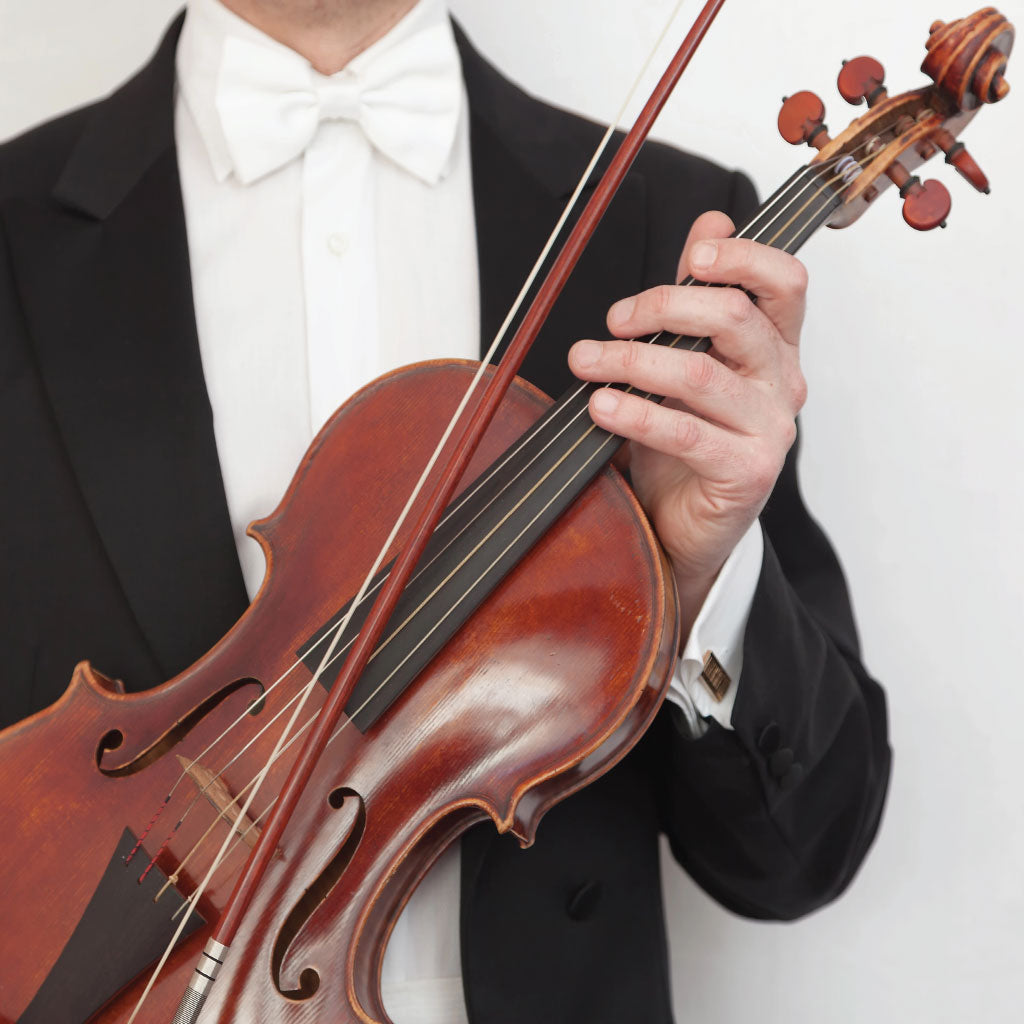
<point>643,418</point>
<point>787,431</point>
<point>630,354</point>
<point>661,299</point>
<point>738,306</point>
<point>686,432</point>
<point>798,277</point>
<point>743,255</point>
<point>798,391</point>
<point>700,372</point>
<point>764,470</point>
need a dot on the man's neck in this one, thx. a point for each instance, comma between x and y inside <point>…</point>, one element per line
<point>328,33</point>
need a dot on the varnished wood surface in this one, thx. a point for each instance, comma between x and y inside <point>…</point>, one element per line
<point>548,685</point>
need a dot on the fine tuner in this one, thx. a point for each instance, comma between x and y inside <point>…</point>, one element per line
<point>966,60</point>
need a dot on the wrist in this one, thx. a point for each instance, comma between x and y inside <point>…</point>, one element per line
<point>691,592</point>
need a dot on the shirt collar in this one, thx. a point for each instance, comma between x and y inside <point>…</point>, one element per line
<point>209,24</point>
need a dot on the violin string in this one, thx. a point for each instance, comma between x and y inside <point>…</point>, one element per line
<point>814,177</point>
<point>499,337</point>
<point>525,529</point>
<point>233,834</point>
<point>591,427</point>
<point>397,630</point>
<point>338,632</point>
<point>324,662</point>
<point>496,527</point>
<point>481,482</point>
<point>241,817</point>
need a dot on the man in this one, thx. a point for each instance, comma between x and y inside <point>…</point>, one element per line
<point>263,220</point>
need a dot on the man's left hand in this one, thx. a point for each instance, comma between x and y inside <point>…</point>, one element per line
<point>704,462</point>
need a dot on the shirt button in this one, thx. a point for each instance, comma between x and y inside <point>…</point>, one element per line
<point>337,243</point>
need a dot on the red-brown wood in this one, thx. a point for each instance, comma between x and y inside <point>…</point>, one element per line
<point>861,79</point>
<point>968,169</point>
<point>801,118</point>
<point>967,60</point>
<point>551,681</point>
<point>961,160</point>
<point>927,205</point>
<point>73,799</point>
<point>449,472</point>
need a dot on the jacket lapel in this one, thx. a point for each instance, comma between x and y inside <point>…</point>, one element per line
<point>106,286</point>
<point>104,276</point>
<point>105,282</point>
<point>527,158</point>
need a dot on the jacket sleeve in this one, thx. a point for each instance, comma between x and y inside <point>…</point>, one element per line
<point>774,818</point>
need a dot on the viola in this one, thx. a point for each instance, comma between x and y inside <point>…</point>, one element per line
<point>526,654</point>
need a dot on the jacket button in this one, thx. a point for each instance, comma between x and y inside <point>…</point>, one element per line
<point>584,901</point>
<point>780,762</point>
<point>768,740</point>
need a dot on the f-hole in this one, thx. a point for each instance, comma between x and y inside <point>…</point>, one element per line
<point>113,739</point>
<point>309,979</point>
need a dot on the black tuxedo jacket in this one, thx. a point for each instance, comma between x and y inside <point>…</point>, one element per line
<point>116,544</point>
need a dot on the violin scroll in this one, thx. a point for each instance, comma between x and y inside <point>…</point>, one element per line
<point>966,61</point>
<point>967,58</point>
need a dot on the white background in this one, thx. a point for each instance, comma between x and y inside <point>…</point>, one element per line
<point>914,447</point>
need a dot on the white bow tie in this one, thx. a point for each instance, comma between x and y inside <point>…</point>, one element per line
<point>405,98</point>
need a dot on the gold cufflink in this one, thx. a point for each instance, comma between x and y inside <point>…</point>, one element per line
<point>714,677</point>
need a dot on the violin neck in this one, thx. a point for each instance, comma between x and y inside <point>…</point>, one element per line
<point>805,202</point>
<point>566,449</point>
<point>492,525</point>
<point>795,211</point>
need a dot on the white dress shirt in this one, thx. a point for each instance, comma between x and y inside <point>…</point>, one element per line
<point>310,280</point>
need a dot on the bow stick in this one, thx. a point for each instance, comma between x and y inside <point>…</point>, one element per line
<point>364,645</point>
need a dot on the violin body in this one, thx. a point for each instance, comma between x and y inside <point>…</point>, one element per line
<point>548,684</point>
<point>556,674</point>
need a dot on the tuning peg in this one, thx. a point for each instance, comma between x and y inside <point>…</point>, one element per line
<point>802,119</point>
<point>925,206</point>
<point>861,79</point>
<point>957,155</point>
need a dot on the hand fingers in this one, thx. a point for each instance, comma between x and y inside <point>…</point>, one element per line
<point>704,385</point>
<point>739,331</point>
<point>777,279</point>
<point>713,453</point>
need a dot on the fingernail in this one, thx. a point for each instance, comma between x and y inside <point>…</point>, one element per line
<point>586,353</point>
<point>605,401</point>
<point>622,310</point>
<point>703,255</point>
